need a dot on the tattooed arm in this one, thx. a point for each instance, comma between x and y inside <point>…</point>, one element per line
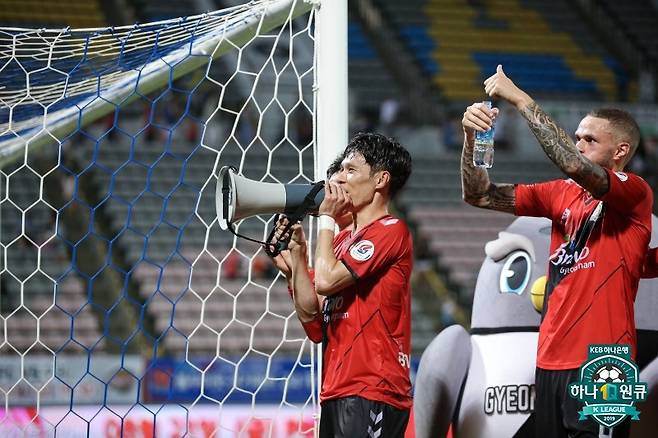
<point>555,142</point>
<point>563,152</point>
<point>477,190</point>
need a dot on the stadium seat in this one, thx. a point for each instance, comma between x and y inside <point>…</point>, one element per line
<point>458,44</point>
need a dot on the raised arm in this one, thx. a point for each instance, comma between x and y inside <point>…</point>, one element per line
<point>306,301</point>
<point>555,142</point>
<point>331,275</point>
<point>477,190</point>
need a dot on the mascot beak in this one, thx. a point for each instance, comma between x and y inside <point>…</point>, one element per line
<point>537,293</point>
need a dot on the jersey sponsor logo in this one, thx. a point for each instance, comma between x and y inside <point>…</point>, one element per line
<point>622,176</point>
<point>404,360</point>
<point>335,303</point>
<point>387,222</point>
<point>341,315</point>
<point>362,251</point>
<point>331,310</point>
<point>509,399</point>
<point>571,262</point>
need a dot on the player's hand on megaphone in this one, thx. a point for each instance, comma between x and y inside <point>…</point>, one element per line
<point>336,200</point>
<point>295,234</point>
<point>296,245</point>
<point>282,261</point>
<point>297,239</point>
<point>500,86</point>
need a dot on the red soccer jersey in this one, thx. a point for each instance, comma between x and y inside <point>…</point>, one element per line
<point>597,252</point>
<point>313,329</point>
<point>368,325</point>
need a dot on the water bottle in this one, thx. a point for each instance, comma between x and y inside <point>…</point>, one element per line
<point>483,152</point>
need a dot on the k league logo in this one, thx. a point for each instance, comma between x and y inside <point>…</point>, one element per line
<point>362,250</point>
<point>609,385</point>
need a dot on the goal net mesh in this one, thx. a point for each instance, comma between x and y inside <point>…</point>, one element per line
<point>125,309</point>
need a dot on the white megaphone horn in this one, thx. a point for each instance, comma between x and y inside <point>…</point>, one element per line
<point>238,197</point>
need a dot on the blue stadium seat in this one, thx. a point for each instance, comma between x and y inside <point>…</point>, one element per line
<point>358,45</point>
<point>536,73</point>
<point>422,45</point>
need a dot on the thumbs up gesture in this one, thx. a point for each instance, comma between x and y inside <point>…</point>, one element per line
<point>500,86</point>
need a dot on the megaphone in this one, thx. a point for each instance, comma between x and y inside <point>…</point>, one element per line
<point>238,197</point>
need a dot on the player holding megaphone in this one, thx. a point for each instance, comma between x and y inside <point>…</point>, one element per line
<point>362,277</point>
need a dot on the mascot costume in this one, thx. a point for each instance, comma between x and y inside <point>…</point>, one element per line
<point>481,384</point>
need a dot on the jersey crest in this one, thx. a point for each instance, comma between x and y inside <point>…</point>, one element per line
<point>362,251</point>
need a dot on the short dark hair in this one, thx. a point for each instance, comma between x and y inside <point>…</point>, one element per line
<point>383,153</point>
<point>335,166</point>
<point>624,125</point>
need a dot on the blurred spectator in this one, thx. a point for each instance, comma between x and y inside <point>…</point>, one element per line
<point>172,109</point>
<point>388,115</point>
<point>231,266</point>
<point>68,187</point>
<point>363,122</point>
<point>303,127</point>
<point>506,124</point>
<point>260,266</point>
<point>192,131</point>
<point>422,249</point>
<point>247,126</point>
<point>451,130</point>
<point>448,309</point>
<point>108,126</point>
<point>148,112</point>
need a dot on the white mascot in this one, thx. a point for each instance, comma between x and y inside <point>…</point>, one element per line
<point>481,384</point>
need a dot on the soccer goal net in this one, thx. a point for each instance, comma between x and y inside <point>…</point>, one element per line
<point>126,311</point>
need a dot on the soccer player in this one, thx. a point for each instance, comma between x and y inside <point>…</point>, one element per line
<point>293,263</point>
<point>601,229</point>
<point>364,274</point>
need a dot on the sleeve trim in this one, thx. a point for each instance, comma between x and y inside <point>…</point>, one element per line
<point>602,197</point>
<point>349,268</point>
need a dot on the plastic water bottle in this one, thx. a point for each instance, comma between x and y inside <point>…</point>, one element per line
<point>483,152</point>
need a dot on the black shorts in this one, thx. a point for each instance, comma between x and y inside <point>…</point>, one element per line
<point>556,412</point>
<point>356,417</point>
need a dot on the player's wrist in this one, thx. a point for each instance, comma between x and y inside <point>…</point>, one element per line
<point>522,100</point>
<point>326,222</point>
<point>299,250</point>
<point>325,212</point>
